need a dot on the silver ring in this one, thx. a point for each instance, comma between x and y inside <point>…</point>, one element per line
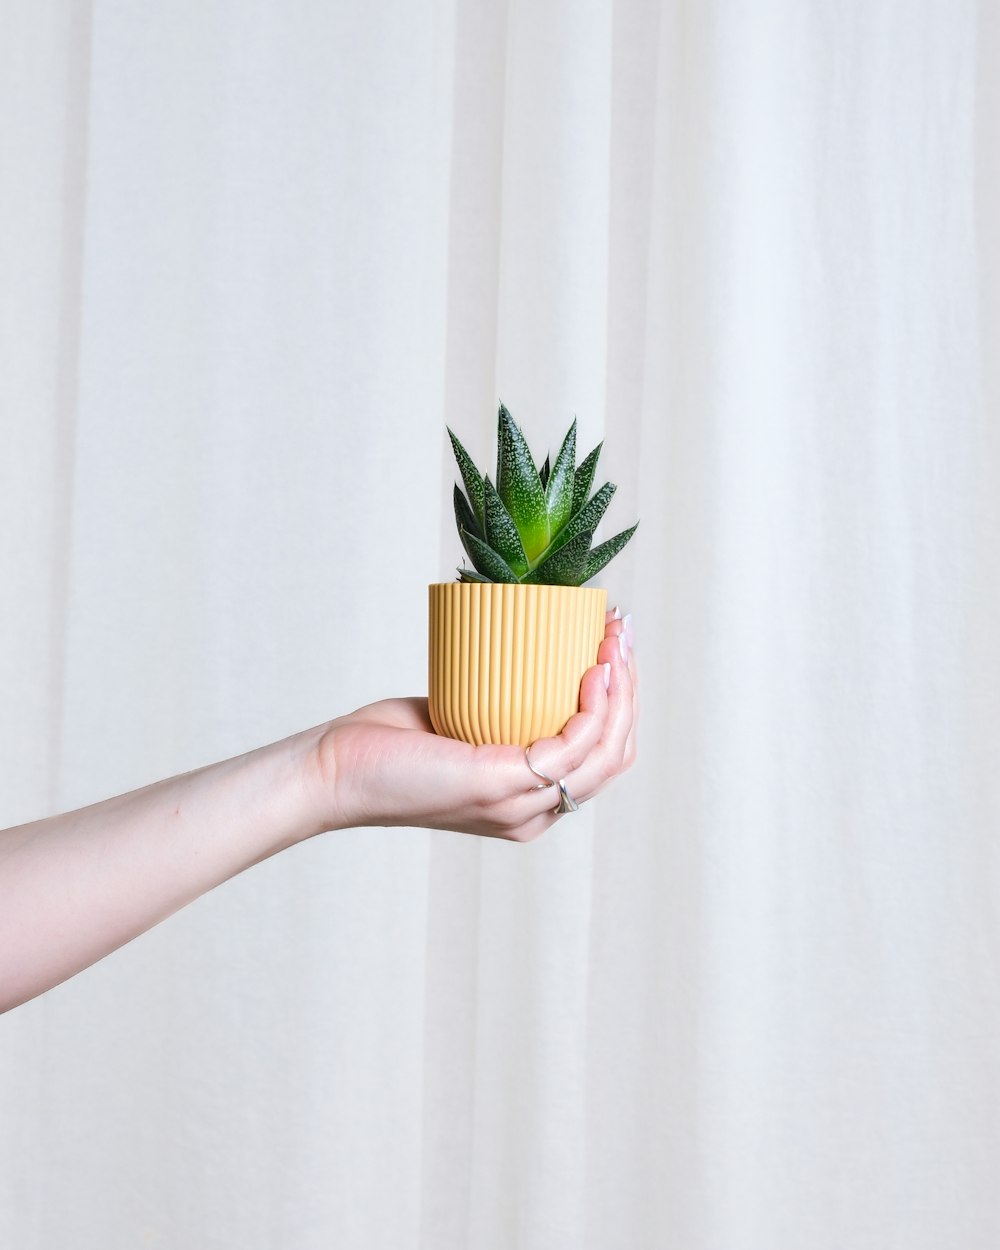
<point>566,801</point>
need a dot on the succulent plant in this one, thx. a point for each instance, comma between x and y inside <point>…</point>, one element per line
<point>532,525</point>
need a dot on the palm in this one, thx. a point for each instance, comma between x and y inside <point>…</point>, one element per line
<point>412,774</point>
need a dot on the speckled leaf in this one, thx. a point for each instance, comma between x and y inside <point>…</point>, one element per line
<point>471,476</point>
<point>584,478</point>
<point>465,518</point>
<point>564,567</point>
<point>467,575</point>
<point>590,514</point>
<point>464,535</point>
<point>559,488</point>
<point>586,519</point>
<point>501,532</point>
<point>520,487</point>
<point>600,556</point>
<point>543,472</point>
<point>493,567</point>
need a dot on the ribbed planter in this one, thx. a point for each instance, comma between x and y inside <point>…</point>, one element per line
<point>506,660</point>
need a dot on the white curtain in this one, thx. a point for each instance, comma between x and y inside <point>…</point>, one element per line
<point>252,258</point>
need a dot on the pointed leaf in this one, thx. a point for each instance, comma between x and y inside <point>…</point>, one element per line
<point>559,486</point>
<point>463,533</point>
<point>467,575</point>
<point>599,557</point>
<point>565,566</point>
<point>520,487</point>
<point>471,476</point>
<point>465,518</point>
<point>493,567</point>
<point>586,519</point>
<point>592,511</point>
<point>501,532</point>
<point>584,478</point>
<point>543,472</point>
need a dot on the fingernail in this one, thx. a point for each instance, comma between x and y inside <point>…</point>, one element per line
<point>629,635</point>
<point>616,615</point>
<point>607,676</point>
<point>623,646</point>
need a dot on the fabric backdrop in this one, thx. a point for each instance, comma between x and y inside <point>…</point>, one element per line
<point>252,258</point>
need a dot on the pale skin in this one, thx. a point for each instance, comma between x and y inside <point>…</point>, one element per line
<point>75,887</point>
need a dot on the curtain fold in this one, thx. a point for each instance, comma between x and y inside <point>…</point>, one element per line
<point>253,259</point>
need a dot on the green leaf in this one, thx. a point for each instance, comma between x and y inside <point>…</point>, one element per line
<point>559,486</point>
<point>466,522</point>
<point>599,557</point>
<point>563,567</point>
<point>493,567</point>
<point>471,476</point>
<point>501,532</point>
<point>520,487</point>
<point>543,472</point>
<point>584,478</point>
<point>586,519</point>
<point>464,535</point>
<point>592,511</point>
<point>465,518</point>
<point>467,575</point>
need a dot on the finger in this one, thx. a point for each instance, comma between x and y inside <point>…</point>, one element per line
<point>621,696</point>
<point>558,756</point>
<point>602,759</point>
<point>533,827</point>
<point>621,719</point>
<point>606,759</point>
<point>562,755</point>
<point>624,630</point>
<point>588,770</point>
<point>630,743</point>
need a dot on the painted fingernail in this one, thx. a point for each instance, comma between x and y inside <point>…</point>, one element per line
<point>616,615</point>
<point>629,635</point>
<point>623,646</point>
<point>607,676</point>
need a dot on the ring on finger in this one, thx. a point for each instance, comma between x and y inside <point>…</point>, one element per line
<point>566,801</point>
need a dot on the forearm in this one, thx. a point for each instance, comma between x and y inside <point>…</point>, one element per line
<point>77,886</point>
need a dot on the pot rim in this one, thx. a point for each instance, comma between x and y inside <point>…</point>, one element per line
<point>517,585</point>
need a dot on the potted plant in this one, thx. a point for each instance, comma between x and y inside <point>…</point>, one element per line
<point>510,640</point>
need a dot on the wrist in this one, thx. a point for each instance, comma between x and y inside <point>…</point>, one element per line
<point>293,784</point>
<point>323,786</point>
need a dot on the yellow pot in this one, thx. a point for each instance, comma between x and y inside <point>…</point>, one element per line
<point>506,660</point>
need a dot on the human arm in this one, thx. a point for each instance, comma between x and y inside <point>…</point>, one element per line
<point>77,886</point>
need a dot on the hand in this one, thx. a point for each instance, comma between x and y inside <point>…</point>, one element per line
<point>75,886</point>
<point>385,765</point>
